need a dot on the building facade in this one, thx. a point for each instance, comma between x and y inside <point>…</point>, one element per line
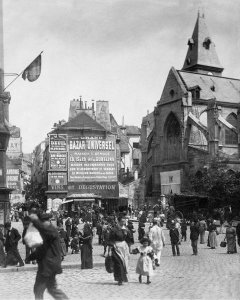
<point>81,160</point>
<point>18,167</point>
<point>195,120</point>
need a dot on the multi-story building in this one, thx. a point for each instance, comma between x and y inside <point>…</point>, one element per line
<point>82,158</point>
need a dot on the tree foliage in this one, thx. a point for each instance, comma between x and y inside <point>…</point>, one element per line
<point>218,182</point>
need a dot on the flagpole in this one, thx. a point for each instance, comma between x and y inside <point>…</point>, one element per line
<point>20,73</point>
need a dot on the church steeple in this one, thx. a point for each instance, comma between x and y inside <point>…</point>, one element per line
<point>201,56</point>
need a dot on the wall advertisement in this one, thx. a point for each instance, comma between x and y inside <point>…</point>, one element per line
<point>57,181</point>
<point>57,142</point>
<point>13,179</point>
<point>58,161</point>
<point>92,159</point>
<point>103,189</point>
<point>14,145</point>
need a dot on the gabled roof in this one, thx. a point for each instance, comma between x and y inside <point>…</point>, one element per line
<point>222,88</point>
<point>123,143</point>
<point>132,130</point>
<point>201,52</point>
<point>82,121</point>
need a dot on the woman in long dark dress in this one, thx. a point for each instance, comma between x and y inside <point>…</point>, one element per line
<point>231,239</point>
<point>120,251</point>
<point>86,248</point>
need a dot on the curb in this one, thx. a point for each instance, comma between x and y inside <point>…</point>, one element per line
<point>34,268</point>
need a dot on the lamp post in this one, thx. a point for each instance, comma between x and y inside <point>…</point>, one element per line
<point>4,133</point>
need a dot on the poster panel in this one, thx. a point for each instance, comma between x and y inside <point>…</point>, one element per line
<point>57,181</point>
<point>14,145</point>
<point>58,161</point>
<point>92,159</point>
<point>57,142</point>
<point>13,179</point>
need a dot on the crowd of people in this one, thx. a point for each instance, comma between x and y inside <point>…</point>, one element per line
<point>115,233</point>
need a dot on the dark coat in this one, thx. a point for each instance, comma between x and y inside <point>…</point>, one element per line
<point>48,255</point>
<point>12,238</point>
<point>174,235</point>
<point>194,231</point>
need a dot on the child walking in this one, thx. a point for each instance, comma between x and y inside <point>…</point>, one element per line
<point>145,261</point>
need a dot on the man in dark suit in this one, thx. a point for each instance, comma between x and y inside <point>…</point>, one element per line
<point>11,244</point>
<point>48,257</point>
<point>194,234</point>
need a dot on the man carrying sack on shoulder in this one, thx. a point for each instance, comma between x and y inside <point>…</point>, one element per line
<point>48,256</point>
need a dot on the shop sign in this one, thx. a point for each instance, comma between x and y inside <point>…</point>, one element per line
<point>13,179</point>
<point>57,181</point>
<point>92,159</point>
<point>14,145</point>
<point>57,142</point>
<point>58,161</point>
<point>102,189</point>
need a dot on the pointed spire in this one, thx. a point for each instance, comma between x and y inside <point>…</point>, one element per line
<point>201,56</point>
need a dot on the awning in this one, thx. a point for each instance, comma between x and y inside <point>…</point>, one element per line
<point>83,200</point>
<point>86,197</point>
<point>79,200</point>
<point>66,201</point>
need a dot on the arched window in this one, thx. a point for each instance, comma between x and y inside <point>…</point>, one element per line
<point>172,138</point>
<point>230,135</point>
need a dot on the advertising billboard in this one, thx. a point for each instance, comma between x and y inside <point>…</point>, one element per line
<point>92,159</point>
<point>57,142</point>
<point>14,145</point>
<point>58,161</point>
<point>57,181</point>
<point>13,179</point>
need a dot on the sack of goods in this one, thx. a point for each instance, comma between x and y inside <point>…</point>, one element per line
<point>33,237</point>
<point>109,264</point>
<point>223,244</point>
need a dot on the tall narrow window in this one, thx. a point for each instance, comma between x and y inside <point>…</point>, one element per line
<point>172,140</point>
<point>230,135</point>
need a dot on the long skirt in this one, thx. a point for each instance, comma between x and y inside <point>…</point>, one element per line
<point>231,244</point>
<point>202,237</point>
<point>86,256</point>
<point>212,239</point>
<point>63,247</point>
<point>2,255</point>
<point>120,256</point>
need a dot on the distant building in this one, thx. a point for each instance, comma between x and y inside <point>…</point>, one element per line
<point>18,166</point>
<point>80,162</point>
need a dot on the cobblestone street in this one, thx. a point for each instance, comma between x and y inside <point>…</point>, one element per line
<point>212,274</point>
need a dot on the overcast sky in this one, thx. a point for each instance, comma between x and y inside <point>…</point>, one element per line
<point>115,50</point>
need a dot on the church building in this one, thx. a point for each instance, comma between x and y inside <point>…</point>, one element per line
<point>195,120</point>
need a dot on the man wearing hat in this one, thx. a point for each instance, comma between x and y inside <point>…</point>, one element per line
<point>157,239</point>
<point>48,257</point>
<point>11,244</point>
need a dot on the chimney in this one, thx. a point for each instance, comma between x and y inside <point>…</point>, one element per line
<point>85,104</point>
<point>102,114</point>
<point>93,106</point>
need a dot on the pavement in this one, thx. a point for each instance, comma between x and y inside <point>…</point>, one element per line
<point>212,274</point>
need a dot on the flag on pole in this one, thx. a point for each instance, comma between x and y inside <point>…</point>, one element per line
<point>33,71</point>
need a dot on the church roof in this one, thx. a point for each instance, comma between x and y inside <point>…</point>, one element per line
<point>201,49</point>
<point>222,88</point>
